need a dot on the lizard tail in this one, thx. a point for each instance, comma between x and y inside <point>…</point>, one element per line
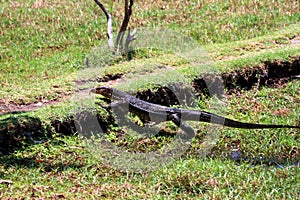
<point>216,119</point>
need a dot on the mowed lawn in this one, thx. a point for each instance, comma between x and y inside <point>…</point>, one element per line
<point>44,48</point>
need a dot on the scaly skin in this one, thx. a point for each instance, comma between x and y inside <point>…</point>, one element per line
<point>152,112</point>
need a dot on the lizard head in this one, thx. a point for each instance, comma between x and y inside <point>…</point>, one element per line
<point>104,91</point>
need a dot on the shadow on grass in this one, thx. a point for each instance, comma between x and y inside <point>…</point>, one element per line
<point>18,130</point>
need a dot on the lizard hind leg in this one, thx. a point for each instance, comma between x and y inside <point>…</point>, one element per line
<point>186,128</point>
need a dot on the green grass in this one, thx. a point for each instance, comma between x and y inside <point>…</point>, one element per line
<point>46,43</point>
<point>64,168</point>
<point>43,46</point>
<point>269,107</point>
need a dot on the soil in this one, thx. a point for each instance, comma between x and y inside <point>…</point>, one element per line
<point>271,74</point>
<point>13,107</point>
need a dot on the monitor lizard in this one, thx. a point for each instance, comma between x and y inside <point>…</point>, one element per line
<point>150,112</point>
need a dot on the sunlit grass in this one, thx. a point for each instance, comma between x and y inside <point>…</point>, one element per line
<point>63,168</point>
<point>46,42</point>
<point>43,51</point>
